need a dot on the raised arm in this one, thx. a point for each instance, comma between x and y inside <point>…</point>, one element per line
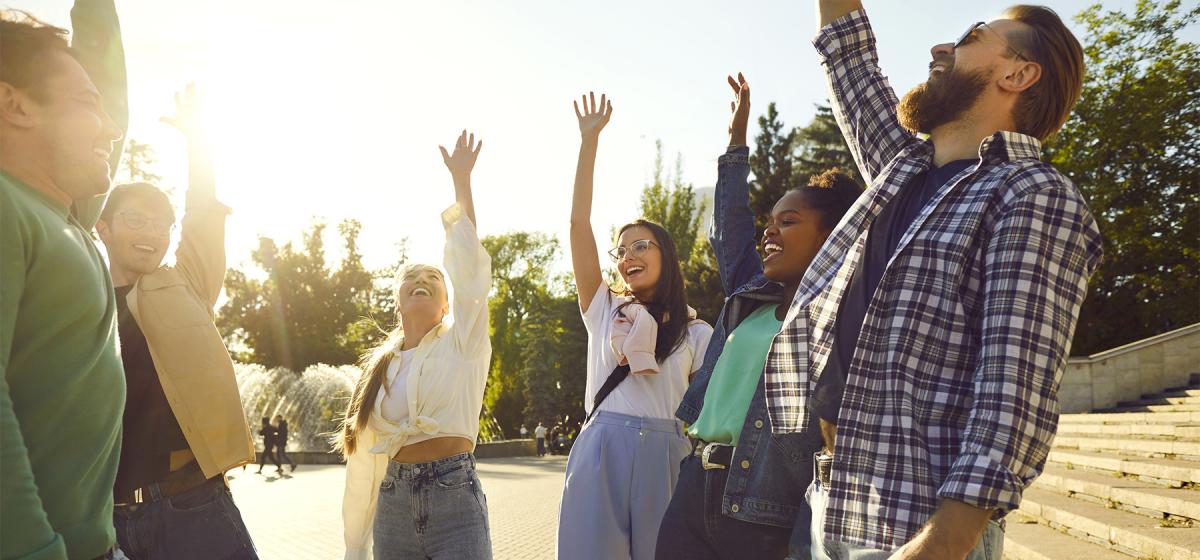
<point>863,102</point>
<point>466,261</point>
<point>733,231</point>
<point>96,37</point>
<point>201,253</point>
<point>460,163</point>
<point>585,258</point>
<point>829,10</point>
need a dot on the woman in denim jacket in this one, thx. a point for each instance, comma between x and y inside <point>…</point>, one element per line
<point>741,491</point>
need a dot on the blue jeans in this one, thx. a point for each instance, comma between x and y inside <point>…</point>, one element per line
<point>695,528</point>
<point>433,510</point>
<point>202,523</point>
<point>990,547</point>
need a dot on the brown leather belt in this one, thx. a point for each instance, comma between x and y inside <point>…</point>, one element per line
<point>187,478</point>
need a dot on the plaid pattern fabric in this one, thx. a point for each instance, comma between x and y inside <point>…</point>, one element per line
<point>952,390</point>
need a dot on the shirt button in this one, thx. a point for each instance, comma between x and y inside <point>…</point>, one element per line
<point>735,508</point>
<point>758,424</point>
<point>745,464</point>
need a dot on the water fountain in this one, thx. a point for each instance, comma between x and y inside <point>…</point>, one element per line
<point>312,402</point>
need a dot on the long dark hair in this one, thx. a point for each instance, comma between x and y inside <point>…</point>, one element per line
<point>669,308</point>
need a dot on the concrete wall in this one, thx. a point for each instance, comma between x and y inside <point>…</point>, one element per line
<point>1128,372</point>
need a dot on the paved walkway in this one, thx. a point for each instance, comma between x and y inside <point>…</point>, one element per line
<point>299,516</point>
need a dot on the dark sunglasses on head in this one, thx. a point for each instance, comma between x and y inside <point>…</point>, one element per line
<point>969,35</point>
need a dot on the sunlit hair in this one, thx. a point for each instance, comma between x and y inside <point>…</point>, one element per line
<point>25,45</point>
<point>669,307</point>
<point>831,194</point>
<point>135,191</point>
<point>374,364</point>
<point>1043,108</point>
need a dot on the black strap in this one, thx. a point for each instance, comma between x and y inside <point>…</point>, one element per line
<point>615,378</point>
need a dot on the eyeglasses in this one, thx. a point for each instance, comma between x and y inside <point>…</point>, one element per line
<point>969,35</point>
<point>637,249</point>
<point>136,220</point>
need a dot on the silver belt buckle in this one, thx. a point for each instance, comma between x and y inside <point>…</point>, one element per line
<point>709,448</point>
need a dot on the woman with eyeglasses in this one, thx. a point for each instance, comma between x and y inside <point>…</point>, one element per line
<point>644,344</point>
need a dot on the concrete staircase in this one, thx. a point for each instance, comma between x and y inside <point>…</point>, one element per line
<point>1120,483</point>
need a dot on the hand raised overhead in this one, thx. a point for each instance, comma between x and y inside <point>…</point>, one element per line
<point>466,151</point>
<point>189,110</point>
<point>594,116</point>
<point>740,109</point>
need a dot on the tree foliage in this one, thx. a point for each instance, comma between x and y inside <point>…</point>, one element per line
<point>1132,146</point>
<point>139,160</point>
<point>302,312</point>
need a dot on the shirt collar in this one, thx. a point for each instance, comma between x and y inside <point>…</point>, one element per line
<point>1005,146</point>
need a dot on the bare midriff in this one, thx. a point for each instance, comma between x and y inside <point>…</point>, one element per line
<point>433,449</point>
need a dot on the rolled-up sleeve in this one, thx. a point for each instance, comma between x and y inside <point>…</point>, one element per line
<point>1042,251</point>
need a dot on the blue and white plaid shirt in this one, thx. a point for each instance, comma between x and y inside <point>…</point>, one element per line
<point>952,390</point>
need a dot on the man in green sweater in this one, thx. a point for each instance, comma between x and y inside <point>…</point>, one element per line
<point>62,390</point>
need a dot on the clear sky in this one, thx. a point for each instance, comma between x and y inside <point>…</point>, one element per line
<point>335,109</point>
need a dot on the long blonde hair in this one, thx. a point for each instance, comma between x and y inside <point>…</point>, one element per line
<point>374,364</point>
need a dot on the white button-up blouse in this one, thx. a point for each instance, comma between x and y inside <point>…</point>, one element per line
<point>445,383</point>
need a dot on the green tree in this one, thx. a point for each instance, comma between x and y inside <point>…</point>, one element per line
<point>555,362</point>
<point>771,164</point>
<point>1132,146</point>
<point>819,147</point>
<point>671,202</point>
<point>520,278</point>
<point>139,160</point>
<point>301,312</point>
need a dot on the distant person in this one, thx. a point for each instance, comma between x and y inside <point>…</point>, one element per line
<point>539,433</point>
<point>624,465</point>
<point>524,432</point>
<point>184,424</point>
<point>281,439</point>
<point>929,337</point>
<point>418,401</point>
<point>62,390</point>
<point>269,440</point>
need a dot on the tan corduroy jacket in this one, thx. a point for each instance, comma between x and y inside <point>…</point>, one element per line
<point>174,308</point>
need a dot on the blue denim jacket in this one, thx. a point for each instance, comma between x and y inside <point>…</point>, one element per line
<point>769,473</point>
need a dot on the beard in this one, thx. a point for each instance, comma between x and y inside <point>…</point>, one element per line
<point>942,99</point>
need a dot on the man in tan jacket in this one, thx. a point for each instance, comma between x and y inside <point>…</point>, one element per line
<point>183,421</point>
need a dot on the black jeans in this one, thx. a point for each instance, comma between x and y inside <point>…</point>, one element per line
<point>695,529</point>
<point>202,524</point>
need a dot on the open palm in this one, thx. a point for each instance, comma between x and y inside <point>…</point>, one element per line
<point>462,160</point>
<point>594,116</point>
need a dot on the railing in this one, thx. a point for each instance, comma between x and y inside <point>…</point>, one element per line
<point>1127,372</point>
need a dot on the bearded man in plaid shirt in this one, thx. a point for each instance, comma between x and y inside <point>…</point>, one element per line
<point>928,337</point>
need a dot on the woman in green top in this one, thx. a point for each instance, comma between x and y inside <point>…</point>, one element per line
<point>741,492</point>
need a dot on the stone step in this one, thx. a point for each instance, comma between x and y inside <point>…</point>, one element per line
<point>1123,531</point>
<point>1027,540</point>
<point>1156,430</point>
<point>1131,418</point>
<point>1156,408</point>
<point>1175,473</point>
<point>1184,399</point>
<point>1182,392</point>
<point>1133,445</point>
<point>1126,494</point>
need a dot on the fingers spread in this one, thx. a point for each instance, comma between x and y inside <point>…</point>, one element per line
<point>577,114</point>
<point>445,155</point>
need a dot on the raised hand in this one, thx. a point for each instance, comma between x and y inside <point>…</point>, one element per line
<point>466,151</point>
<point>740,109</point>
<point>593,117</point>
<point>189,111</point>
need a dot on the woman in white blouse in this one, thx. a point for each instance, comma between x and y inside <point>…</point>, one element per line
<point>410,429</point>
<point>625,462</point>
